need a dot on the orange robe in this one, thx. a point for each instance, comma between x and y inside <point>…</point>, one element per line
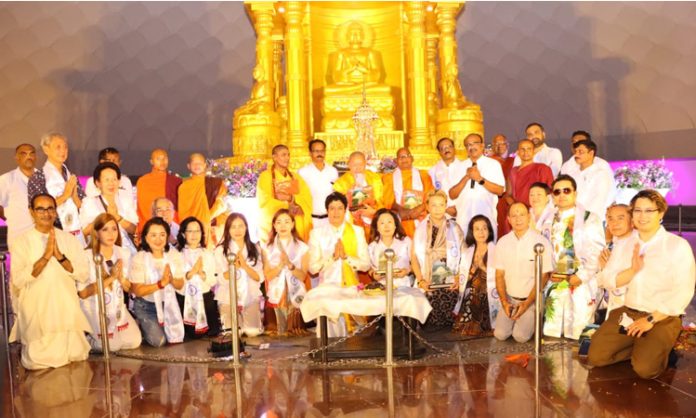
<point>195,199</point>
<point>346,183</point>
<point>406,183</point>
<point>151,186</point>
<point>269,205</point>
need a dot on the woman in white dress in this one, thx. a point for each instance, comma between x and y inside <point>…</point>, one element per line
<point>196,299</point>
<point>285,270</point>
<point>156,272</point>
<point>386,232</point>
<point>105,239</point>
<point>249,263</point>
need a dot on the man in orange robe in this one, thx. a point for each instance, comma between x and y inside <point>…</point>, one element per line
<point>280,188</point>
<point>201,196</point>
<point>404,190</point>
<point>157,183</point>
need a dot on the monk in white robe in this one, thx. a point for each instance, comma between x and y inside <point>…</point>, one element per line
<point>46,263</point>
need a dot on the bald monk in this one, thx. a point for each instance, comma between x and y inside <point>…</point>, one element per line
<point>201,196</point>
<point>279,188</point>
<point>527,173</point>
<point>363,189</point>
<point>404,190</point>
<point>156,183</point>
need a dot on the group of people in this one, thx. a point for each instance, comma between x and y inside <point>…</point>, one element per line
<point>463,232</point>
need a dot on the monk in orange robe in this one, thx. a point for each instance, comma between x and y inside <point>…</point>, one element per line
<point>201,196</point>
<point>364,190</point>
<point>157,183</point>
<point>279,188</point>
<point>404,190</point>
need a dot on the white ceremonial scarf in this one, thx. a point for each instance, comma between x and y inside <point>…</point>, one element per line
<point>276,286</point>
<point>194,307</point>
<point>452,237</point>
<point>168,313</point>
<point>67,212</point>
<point>247,288</point>
<point>114,306</point>
<point>416,183</point>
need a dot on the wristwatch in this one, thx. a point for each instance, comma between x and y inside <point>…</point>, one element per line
<point>650,319</point>
<point>482,181</point>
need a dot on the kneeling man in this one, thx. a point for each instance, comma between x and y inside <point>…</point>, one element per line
<point>46,262</point>
<point>514,276</point>
<point>659,271</point>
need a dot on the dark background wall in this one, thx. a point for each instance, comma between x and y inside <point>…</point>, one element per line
<point>144,75</point>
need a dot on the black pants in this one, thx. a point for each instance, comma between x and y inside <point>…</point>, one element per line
<point>211,312</point>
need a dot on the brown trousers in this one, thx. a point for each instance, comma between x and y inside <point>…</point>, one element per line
<point>648,354</point>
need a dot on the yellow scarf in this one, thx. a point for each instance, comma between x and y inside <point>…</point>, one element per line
<point>350,245</point>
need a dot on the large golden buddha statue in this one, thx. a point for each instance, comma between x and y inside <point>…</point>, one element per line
<point>356,64</point>
<point>319,62</point>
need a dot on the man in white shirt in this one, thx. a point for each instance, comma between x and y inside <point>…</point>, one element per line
<point>514,276</point>
<point>596,188</point>
<point>571,163</point>
<point>477,191</point>
<point>659,269</point>
<point>320,178</point>
<point>577,238</point>
<point>542,152</point>
<point>13,193</point>
<point>111,155</point>
<point>447,172</point>
<point>337,251</point>
<point>46,263</point>
<point>55,179</point>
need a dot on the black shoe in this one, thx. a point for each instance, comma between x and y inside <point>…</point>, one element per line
<point>672,359</point>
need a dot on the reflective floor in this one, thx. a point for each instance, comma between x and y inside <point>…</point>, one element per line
<point>477,385</point>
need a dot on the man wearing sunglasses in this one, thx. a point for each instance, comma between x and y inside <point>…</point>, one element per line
<point>577,238</point>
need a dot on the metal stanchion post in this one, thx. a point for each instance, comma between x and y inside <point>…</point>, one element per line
<point>680,219</point>
<point>5,301</point>
<point>232,269</point>
<point>238,392</point>
<point>98,259</point>
<point>538,266</point>
<point>390,392</point>
<point>389,317</point>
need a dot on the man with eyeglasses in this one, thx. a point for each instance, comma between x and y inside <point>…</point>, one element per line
<point>571,164</point>
<point>46,263</point>
<point>404,191</point>
<point>476,193</point>
<point>596,187</point>
<point>577,238</point>
<point>320,178</point>
<point>659,271</point>
<point>542,152</point>
<point>14,195</point>
<point>447,172</point>
<point>164,208</point>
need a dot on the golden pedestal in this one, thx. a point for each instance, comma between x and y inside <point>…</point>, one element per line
<point>313,60</point>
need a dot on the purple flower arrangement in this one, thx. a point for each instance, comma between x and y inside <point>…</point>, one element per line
<point>241,179</point>
<point>645,175</point>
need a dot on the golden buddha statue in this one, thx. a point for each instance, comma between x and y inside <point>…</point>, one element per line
<point>355,64</point>
<point>260,97</point>
<point>355,67</point>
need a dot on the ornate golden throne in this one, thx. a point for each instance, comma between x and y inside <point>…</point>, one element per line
<point>317,62</point>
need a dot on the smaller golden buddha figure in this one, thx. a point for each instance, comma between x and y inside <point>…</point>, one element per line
<point>451,89</point>
<point>260,98</point>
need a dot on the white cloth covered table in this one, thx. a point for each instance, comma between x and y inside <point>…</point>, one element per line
<point>331,300</point>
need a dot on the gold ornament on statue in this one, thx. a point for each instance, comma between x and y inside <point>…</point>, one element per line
<point>364,122</point>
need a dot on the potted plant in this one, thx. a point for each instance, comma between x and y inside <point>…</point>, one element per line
<point>632,178</point>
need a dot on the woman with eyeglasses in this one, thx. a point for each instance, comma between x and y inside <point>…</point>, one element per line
<point>249,265</point>
<point>475,309</point>
<point>196,299</point>
<point>285,270</point>
<point>123,332</point>
<point>387,232</point>
<point>157,271</point>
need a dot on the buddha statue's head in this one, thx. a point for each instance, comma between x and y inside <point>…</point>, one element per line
<point>355,35</point>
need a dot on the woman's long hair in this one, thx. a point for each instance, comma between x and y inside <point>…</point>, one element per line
<point>470,240</point>
<point>273,234</point>
<point>144,246</point>
<point>252,250</point>
<point>100,222</point>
